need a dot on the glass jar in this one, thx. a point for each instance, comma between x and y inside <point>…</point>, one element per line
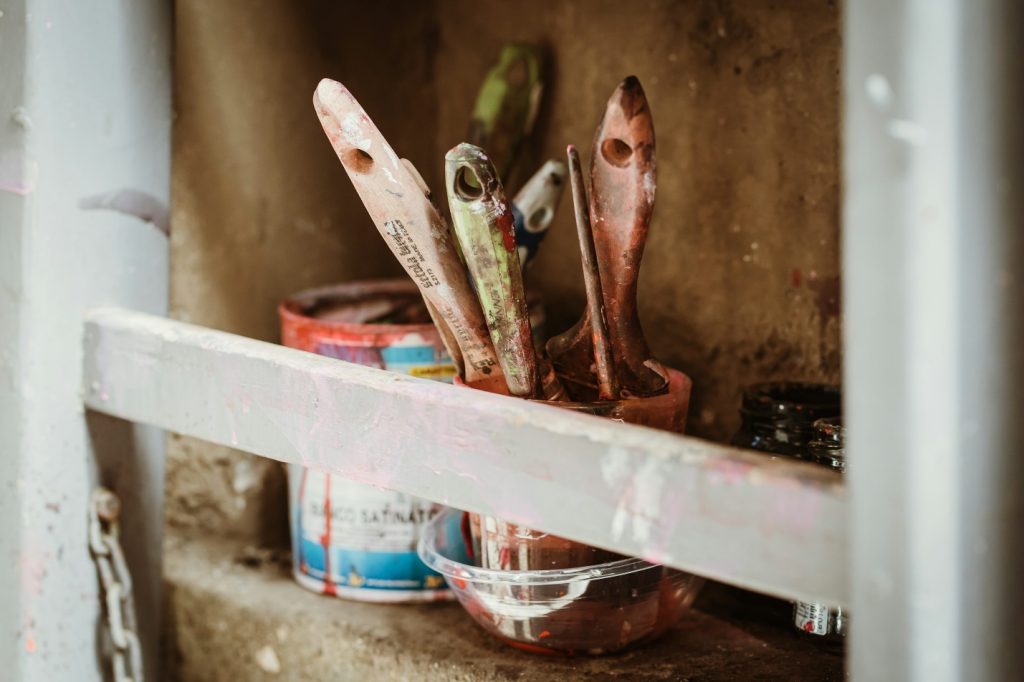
<point>779,417</point>
<point>827,448</point>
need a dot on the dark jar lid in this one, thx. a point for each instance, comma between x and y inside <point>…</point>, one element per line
<point>780,416</point>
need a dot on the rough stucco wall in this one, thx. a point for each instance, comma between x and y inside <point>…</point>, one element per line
<point>740,277</point>
<point>261,208</point>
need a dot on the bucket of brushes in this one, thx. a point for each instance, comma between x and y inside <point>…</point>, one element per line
<point>536,591</point>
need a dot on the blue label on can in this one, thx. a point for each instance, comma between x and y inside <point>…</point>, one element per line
<point>351,537</point>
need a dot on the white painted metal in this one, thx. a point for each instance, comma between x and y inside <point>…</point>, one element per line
<point>933,291</point>
<point>772,525</point>
<point>85,108</point>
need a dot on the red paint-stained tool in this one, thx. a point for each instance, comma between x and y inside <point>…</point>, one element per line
<point>483,224</point>
<point>607,385</point>
<point>622,177</point>
<point>398,202</point>
<point>482,220</point>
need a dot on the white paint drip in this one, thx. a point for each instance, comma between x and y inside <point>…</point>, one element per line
<point>639,491</point>
<point>907,131</point>
<point>650,185</point>
<point>266,658</point>
<point>133,202</point>
<point>353,132</point>
<point>391,155</point>
<point>18,173</point>
<point>647,489</point>
<point>20,117</point>
<point>879,91</point>
<point>244,476</point>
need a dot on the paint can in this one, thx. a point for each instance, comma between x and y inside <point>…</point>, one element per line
<point>350,539</point>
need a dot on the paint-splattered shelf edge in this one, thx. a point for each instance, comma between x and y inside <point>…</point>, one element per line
<point>770,525</point>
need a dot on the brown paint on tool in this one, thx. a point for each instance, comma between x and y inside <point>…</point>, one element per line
<point>607,384</point>
<point>622,186</point>
<point>397,200</point>
<point>622,177</point>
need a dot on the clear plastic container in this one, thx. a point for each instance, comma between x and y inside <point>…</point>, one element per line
<point>508,546</point>
<point>593,609</point>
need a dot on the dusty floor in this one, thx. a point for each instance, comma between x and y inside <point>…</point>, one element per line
<point>245,619</point>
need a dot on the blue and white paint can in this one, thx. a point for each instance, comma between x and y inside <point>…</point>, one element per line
<point>350,539</point>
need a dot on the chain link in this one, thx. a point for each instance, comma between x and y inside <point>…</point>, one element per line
<point>116,583</point>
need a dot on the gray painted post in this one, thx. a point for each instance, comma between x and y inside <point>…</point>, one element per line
<point>84,181</point>
<point>934,337</point>
<point>769,524</point>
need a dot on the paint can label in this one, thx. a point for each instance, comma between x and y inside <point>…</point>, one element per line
<point>351,539</point>
<point>811,618</point>
<point>355,537</point>
<point>410,355</point>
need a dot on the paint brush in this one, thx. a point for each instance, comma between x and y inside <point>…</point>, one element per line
<point>607,385</point>
<point>397,200</point>
<point>482,220</point>
<point>622,185</point>
<point>534,208</point>
<point>506,105</point>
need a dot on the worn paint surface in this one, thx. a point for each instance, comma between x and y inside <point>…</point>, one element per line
<point>747,100</point>
<point>482,221</point>
<point>621,201</point>
<point>728,514</point>
<point>397,202</point>
<point>571,352</point>
<point>506,106</point>
<point>622,187</point>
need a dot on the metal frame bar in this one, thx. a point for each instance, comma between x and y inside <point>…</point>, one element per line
<point>739,516</point>
<point>84,154</point>
<point>933,291</point>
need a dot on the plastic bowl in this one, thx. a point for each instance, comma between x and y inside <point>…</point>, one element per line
<point>507,546</point>
<point>594,609</point>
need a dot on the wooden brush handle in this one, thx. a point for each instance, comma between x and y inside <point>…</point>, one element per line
<point>413,229</point>
<point>607,383</point>
<point>482,219</point>
<point>622,177</point>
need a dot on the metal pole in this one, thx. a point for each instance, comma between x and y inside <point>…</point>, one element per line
<point>933,293</point>
<point>84,183</point>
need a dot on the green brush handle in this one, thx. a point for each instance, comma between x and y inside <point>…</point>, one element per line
<point>506,106</point>
<point>483,225</point>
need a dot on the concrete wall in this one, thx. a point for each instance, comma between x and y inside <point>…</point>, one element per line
<point>741,277</point>
<point>261,206</point>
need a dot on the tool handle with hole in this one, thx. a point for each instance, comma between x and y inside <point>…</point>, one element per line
<point>482,220</point>
<point>413,229</point>
<point>534,207</point>
<point>622,186</point>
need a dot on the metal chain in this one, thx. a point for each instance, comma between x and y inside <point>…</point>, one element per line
<point>116,583</point>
